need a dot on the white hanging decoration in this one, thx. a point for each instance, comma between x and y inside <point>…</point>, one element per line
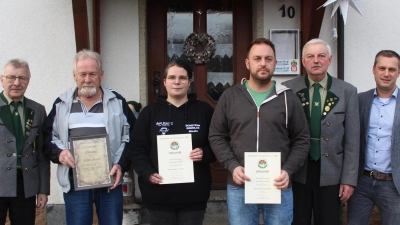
<point>344,7</point>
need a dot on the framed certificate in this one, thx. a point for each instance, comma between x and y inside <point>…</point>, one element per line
<point>262,168</point>
<point>174,163</point>
<point>92,162</point>
<point>287,51</point>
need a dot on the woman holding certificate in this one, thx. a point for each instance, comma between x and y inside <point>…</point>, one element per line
<point>170,152</point>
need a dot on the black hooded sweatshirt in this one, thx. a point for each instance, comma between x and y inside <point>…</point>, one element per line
<point>163,118</point>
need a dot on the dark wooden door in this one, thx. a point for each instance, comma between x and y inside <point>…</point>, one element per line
<point>229,22</point>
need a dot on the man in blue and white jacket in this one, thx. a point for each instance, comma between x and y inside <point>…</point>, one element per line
<point>88,109</point>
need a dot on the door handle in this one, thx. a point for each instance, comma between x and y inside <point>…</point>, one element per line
<point>156,83</point>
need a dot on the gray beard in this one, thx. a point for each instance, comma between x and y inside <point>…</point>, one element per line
<point>88,92</point>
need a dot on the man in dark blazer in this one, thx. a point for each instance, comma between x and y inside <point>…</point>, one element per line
<point>25,170</point>
<point>329,175</point>
<point>379,171</point>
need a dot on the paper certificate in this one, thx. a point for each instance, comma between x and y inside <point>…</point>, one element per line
<point>262,168</point>
<point>174,163</point>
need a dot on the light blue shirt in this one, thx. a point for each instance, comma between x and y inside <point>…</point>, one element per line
<point>379,143</point>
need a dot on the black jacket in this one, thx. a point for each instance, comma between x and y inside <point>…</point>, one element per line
<point>161,118</point>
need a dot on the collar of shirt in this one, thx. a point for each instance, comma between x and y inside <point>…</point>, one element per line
<point>10,100</point>
<point>323,82</point>
<point>394,94</point>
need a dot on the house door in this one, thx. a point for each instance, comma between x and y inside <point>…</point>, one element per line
<point>170,22</point>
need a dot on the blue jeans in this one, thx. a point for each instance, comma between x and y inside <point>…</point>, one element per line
<point>79,206</point>
<point>248,214</point>
<point>370,192</point>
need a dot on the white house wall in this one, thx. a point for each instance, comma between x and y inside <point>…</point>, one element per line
<point>43,35</point>
<point>119,39</point>
<point>366,35</point>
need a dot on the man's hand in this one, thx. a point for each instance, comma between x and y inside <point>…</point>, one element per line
<point>196,154</point>
<point>116,172</point>
<point>155,178</point>
<point>41,201</point>
<point>66,158</point>
<point>345,192</point>
<point>282,182</point>
<point>238,175</point>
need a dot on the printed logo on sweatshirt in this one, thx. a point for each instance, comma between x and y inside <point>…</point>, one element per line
<point>164,126</point>
<point>164,130</point>
<point>192,128</point>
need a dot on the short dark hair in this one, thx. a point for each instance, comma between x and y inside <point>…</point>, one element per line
<point>261,41</point>
<point>136,105</point>
<point>179,63</point>
<point>389,54</point>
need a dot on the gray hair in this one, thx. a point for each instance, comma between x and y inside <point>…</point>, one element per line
<point>85,53</point>
<point>317,41</point>
<point>17,63</point>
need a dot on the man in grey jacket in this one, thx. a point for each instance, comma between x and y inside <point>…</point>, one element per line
<point>25,173</point>
<point>330,172</point>
<point>379,170</point>
<point>89,109</point>
<point>259,115</point>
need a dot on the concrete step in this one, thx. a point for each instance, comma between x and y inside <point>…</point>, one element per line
<point>217,210</point>
<point>131,214</point>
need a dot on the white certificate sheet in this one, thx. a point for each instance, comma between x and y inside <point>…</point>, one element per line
<point>262,168</point>
<point>174,163</point>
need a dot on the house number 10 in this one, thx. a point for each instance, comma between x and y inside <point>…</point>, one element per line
<point>290,11</point>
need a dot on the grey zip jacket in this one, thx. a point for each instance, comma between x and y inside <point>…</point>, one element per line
<point>278,125</point>
<point>115,120</point>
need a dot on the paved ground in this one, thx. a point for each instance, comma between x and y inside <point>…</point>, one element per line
<point>375,219</point>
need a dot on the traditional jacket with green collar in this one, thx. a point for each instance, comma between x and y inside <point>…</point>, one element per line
<point>35,166</point>
<point>340,131</point>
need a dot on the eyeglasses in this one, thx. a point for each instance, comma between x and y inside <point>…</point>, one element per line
<point>12,78</point>
<point>181,79</point>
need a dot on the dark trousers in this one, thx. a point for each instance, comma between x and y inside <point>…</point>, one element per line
<point>177,217</point>
<point>21,210</point>
<point>309,199</point>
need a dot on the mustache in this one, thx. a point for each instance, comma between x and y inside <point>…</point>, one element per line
<point>264,68</point>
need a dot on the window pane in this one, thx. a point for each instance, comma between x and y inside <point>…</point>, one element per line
<point>220,67</point>
<point>179,26</point>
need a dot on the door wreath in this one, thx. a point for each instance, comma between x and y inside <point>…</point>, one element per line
<point>194,39</point>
